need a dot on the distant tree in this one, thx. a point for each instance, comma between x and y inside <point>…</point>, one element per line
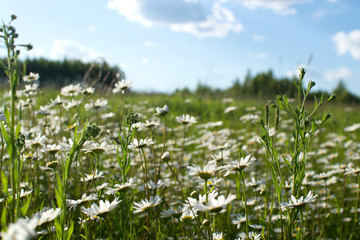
<point>236,89</point>
<point>343,95</point>
<point>60,73</point>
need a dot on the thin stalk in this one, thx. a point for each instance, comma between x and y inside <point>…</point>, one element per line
<point>245,204</point>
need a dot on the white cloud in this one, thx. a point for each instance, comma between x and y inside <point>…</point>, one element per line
<point>68,49</point>
<point>348,43</point>
<point>258,37</point>
<point>180,16</point>
<point>337,74</point>
<point>150,44</point>
<point>283,7</point>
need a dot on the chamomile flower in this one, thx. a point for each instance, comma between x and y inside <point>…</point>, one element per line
<point>39,141</point>
<point>88,91</point>
<point>90,177</point>
<point>218,236</point>
<point>146,205</point>
<point>141,143</point>
<point>71,104</point>
<point>98,210</point>
<point>47,215</point>
<point>51,148</point>
<point>22,229</point>
<point>23,193</point>
<point>188,214</point>
<point>122,187</point>
<point>84,198</point>
<point>57,101</point>
<point>71,90</point>
<point>186,119</point>
<point>205,172</point>
<point>299,203</point>
<point>31,77</point>
<point>216,205</point>
<point>151,124</point>
<point>166,157</point>
<point>95,147</point>
<point>230,109</point>
<point>251,236</point>
<point>238,165</point>
<point>99,104</point>
<point>121,86</point>
<point>239,220</point>
<point>175,213</point>
<point>162,111</point>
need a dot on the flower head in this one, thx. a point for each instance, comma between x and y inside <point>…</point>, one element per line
<point>141,143</point>
<point>98,210</point>
<point>186,119</point>
<point>146,205</point>
<point>162,111</point>
<point>31,77</point>
<point>238,165</point>
<point>71,90</point>
<point>90,177</point>
<point>48,215</point>
<point>301,202</point>
<point>216,205</point>
<point>205,172</point>
<point>22,229</point>
<point>122,187</point>
<point>121,86</point>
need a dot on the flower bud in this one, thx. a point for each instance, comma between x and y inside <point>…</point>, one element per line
<point>166,157</point>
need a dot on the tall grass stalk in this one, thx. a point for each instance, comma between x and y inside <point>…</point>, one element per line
<point>12,133</point>
<point>305,126</point>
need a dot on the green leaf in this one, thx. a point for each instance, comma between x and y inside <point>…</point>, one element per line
<point>4,182</point>
<point>59,229</point>
<point>25,208</point>
<point>70,231</point>
<point>5,134</point>
<point>287,163</point>
<point>59,199</point>
<point>7,115</point>
<point>3,218</point>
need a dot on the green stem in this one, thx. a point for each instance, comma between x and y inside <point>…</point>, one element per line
<point>245,203</point>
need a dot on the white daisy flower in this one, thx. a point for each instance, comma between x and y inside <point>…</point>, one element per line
<point>89,177</point>
<point>186,119</point>
<point>146,205</point>
<point>96,211</point>
<point>299,203</point>
<point>162,111</point>
<point>48,215</point>
<point>238,165</point>
<point>22,229</point>
<point>216,205</point>
<point>121,86</point>
<point>205,172</point>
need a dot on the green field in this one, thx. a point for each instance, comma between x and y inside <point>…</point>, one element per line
<point>79,163</point>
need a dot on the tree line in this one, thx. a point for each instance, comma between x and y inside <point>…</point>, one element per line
<point>56,73</point>
<point>267,86</point>
<point>264,85</point>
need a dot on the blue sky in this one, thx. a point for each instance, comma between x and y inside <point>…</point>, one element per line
<point>166,44</point>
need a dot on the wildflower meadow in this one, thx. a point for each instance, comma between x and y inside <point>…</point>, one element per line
<point>78,163</point>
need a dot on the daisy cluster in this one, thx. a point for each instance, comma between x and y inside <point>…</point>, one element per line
<point>187,169</point>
